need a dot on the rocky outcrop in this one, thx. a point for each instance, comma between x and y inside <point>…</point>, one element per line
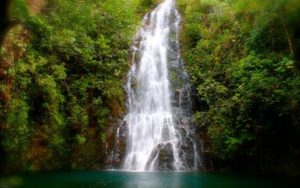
<point>165,158</point>
<point>116,142</point>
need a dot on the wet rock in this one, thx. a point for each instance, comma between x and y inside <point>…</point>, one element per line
<point>166,158</point>
<point>116,145</point>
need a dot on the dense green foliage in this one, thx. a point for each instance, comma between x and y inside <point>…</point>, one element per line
<point>61,81</point>
<point>67,84</point>
<point>243,59</point>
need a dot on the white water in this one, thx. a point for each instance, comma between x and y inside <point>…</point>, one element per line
<point>151,123</point>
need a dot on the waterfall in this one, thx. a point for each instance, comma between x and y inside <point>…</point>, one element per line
<point>158,128</point>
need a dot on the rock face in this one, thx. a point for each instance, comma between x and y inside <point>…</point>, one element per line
<point>116,145</point>
<point>165,158</point>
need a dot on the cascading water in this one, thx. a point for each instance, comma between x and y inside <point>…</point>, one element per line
<point>158,129</point>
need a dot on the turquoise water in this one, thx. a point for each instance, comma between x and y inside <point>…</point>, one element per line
<point>117,179</point>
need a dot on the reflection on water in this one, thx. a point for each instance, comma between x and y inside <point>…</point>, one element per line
<point>174,180</point>
<point>117,179</point>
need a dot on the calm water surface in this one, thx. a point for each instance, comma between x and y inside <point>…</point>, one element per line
<point>117,179</point>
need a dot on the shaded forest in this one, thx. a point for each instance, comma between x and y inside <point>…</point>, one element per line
<point>64,62</point>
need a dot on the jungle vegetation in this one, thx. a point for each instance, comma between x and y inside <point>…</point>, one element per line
<point>62,72</point>
<point>243,60</point>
